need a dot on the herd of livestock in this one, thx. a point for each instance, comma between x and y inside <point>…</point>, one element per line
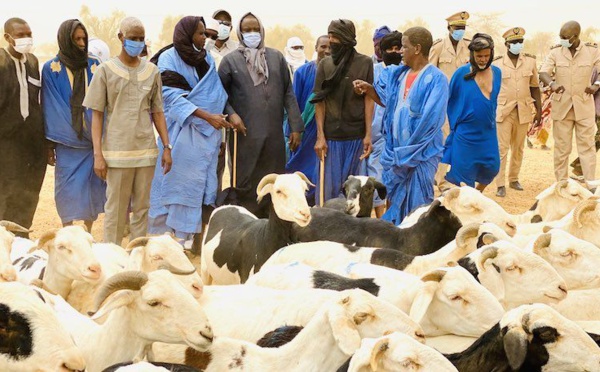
<point>460,285</point>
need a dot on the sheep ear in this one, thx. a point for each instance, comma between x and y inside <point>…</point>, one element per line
<point>381,190</point>
<point>343,328</point>
<point>491,279</point>
<point>46,238</point>
<point>266,189</point>
<point>136,257</point>
<point>423,300</point>
<point>378,352</point>
<point>117,300</point>
<point>515,346</point>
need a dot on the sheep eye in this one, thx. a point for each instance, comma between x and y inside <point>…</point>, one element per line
<point>456,298</point>
<point>153,303</point>
<point>62,247</point>
<point>157,258</point>
<point>512,268</point>
<point>568,254</point>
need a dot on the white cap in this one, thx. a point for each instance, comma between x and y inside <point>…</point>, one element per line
<point>99,49</point>
<point>212,24</point>
<point>294,42</point>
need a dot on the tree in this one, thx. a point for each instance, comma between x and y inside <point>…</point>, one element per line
<point>489,23</point>
<point>590,34</point>
<point>276,37</point>
<point>166,33</point>
<point>539,44</point>
<point>105,28</point>
<point>364,36</point>
<point>416,22</point>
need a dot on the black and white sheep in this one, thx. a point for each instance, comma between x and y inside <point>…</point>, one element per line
<point>237,243</point>
<point>359,192</point>
<point>435,228</point>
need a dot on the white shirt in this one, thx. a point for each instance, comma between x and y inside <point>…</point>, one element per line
<point>22,78</point>
<point>228,47</point>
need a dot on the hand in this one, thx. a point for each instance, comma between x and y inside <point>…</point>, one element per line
<point>294,142</point>
<point>51,157</point>
<point>218,121</point>
<point>361,87</point>
<point>556,88</point>
<point>166,161</point>
<point>367,147</point>
<point>100,167</point>
<point>538,116</point>
<point>592,89</point>
<point>237,123</point>
<point>321,148</point>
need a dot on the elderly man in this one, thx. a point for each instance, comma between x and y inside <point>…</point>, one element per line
<point>448,54</point>
<point>471,149</point>
<point>377,36</point>
<point>128,89</point>
<point>224,44</point>
<point>573,109</point>
<point>78,192</point>
<point>23,153</point>
<point>520,88</point>
<point>259,86</point>
<point>343,117</point>
<point>413,144</point>
<point>304,158</point>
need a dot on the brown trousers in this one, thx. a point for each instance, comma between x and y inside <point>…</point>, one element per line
<point>123,185</point>
<point>511,135</point>
<point>585,131</point>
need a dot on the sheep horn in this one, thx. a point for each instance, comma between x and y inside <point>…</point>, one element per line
<point>486,254</point>
<point>268,179</point>
<point>174,270</point>
<point>488,238</point>
<point>304,178</point>
<point>543,241</point>
<point>380,347</point>
<point>137,242</point>
<point>14,227</point>
<point>434,276</point>
<point>452,194</point>
<point>586,206</point>
<point>133,280</point>
<point>469,231</point>
<point>560,186</point>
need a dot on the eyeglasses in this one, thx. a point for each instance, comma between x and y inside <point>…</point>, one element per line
<point>211,35</point>
<point>226,23</point>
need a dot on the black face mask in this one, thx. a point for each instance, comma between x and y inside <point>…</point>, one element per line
<point>393,58</point>
<point>337,49</point>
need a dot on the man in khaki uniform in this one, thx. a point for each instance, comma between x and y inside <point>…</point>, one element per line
<point>573,99</point>
<point>520,88</point>
<point>448,54</point>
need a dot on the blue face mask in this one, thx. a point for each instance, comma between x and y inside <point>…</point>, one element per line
<point>515,48</point>
<point>565,43</point>
<point>134,48</point>
<point>458,34</point>
<point>252,39</point>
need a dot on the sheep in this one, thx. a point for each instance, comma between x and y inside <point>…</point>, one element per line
<point>332,335</point>
<point>142,309</point>
<point>531,338</point>
<point>400,353</point>
<point>70,257</point>
<point>557,201</point>
<point>236,243</point>
<point>443,301</point>
<point>515,276</point>
<point>7,270</point>
<point>584,222</point>
<point>331,256</point>
<point>150,367</point>
<point>31,337</point>
<point>358,200</point>
<point>435,229</point>
<point>576,261</point>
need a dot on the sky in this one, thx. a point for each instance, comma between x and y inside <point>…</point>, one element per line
<point>45,16</point>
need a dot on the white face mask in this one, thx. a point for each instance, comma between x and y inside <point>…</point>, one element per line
<point>223,32</point>
<point>23,45</point>
<point>209,44</point>
<point>297,53</point>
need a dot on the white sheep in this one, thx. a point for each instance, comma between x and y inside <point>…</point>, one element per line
<point>515,276</point>
<point>332,335</point>
<point>580,305</point>
<point>558,200</point>
<point>32,337</point>
<point>400,353</point>
<point>7,271</point>
<point>142,309</point>
<point>70,257</point>
<point>576,261</point>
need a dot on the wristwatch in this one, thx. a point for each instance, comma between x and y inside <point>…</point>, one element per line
<point>597,82</point>
<point>168,146</point>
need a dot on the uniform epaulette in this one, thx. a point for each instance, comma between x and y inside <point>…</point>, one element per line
<point>556,46</point>
<point>498,57</point>
<point>436,41</point>
<point>592,45</point>
<point>529,55</point>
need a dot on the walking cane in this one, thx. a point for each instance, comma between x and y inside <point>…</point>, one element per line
<point>234,176</point>
<point>322,182</point>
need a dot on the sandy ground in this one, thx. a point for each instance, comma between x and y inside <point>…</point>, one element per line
<point>536,175</point>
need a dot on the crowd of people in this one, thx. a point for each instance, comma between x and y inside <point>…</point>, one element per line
<point>416,115</point>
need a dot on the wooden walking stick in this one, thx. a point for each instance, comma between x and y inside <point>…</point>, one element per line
<point>234,176</point>
<point>322,182</point>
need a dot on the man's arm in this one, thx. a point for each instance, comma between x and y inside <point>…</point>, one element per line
<point>99,163</point>
<point>161,127</point>
<point>321,144</point>
<point>225,75</point>
<point>547,67</point>
<point>367,144</point>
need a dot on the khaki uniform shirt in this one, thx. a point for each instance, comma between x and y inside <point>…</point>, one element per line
<point>443,56</point>
<point>129,96</point>
<point>228,47</point>
<point>573,73</point>
<point>516,81</point>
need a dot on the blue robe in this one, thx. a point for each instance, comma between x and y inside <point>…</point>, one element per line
<point>472,146</point>
<point>176,198</point>
<point>412,128</point>
<point>371,166</point>
<point>79,194</point>
<point>304,159</point>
